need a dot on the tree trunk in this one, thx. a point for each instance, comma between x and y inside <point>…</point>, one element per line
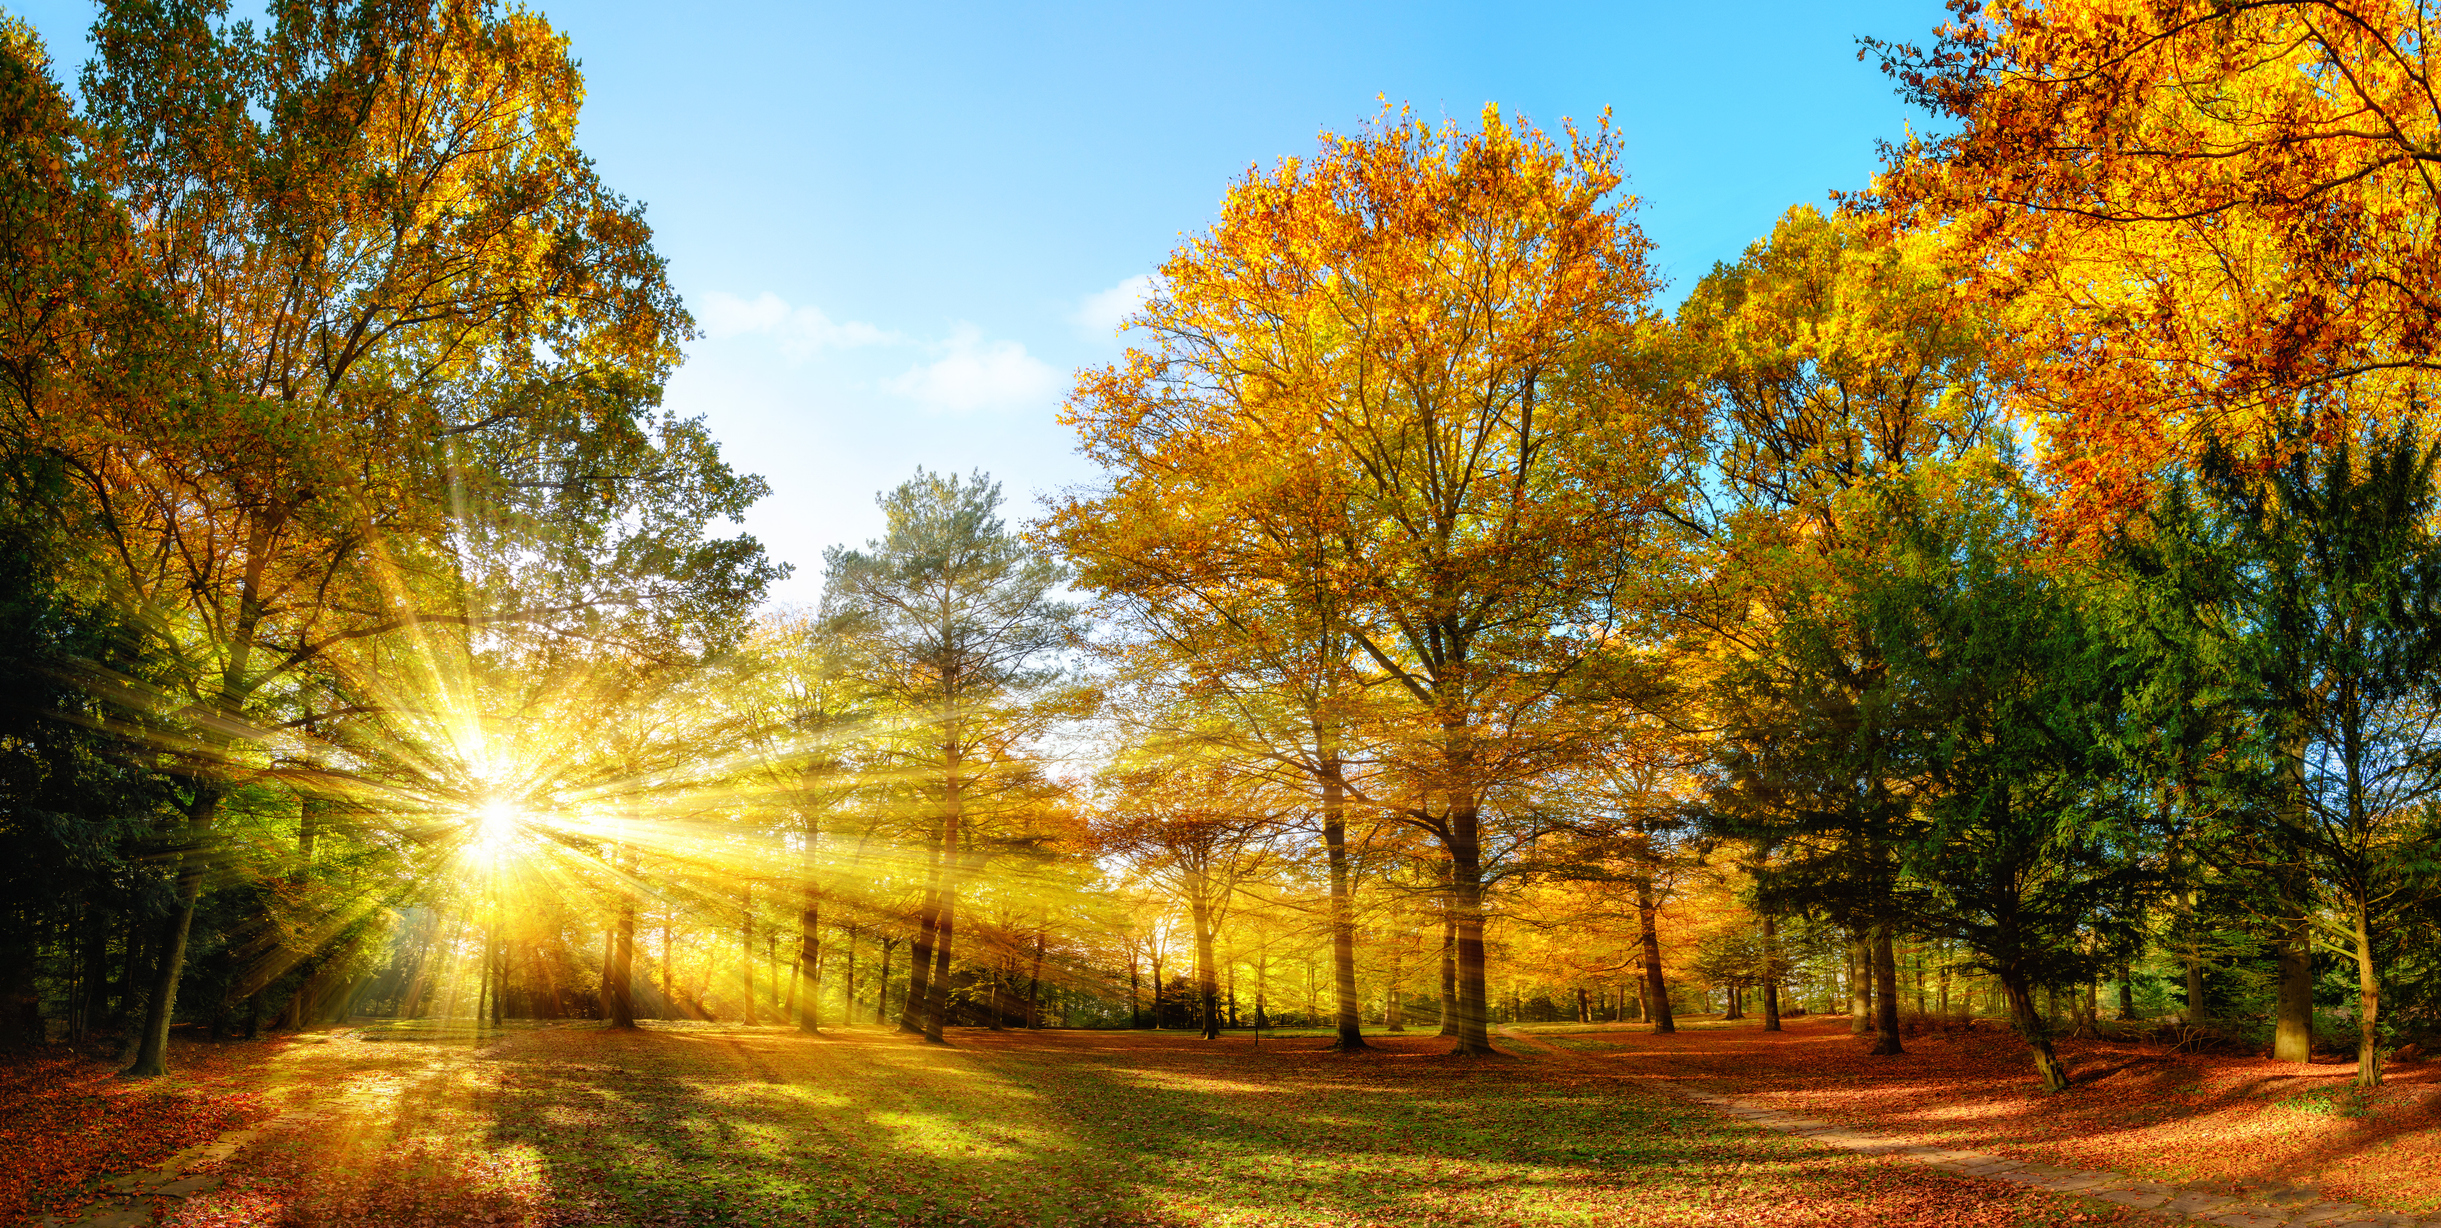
<point>1885,995</point>
<point>936,992</point>
<point>919,967</point>
<point>2293,1021</point>
<point>1034,983</point>
<point>152,1048</point>
<point>2197,1010</point>
<point>1207,985</point>
<point>953,815</point>
<point>1656,986</point>
<point>881,986</point>
<point>745,950</point>
<point>2031,1026</point>
<point>1860,985</point>
<point>2368,1002</point>
<point>847,990</point>
<point>1771,974</point>
<point>1350,1019</point>
<point>2293,1008</point>
<point>1449,968</point>
<point>1466,897</point>
<point>619,979</point>
<point>809,967</point>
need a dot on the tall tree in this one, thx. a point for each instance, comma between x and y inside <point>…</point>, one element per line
<point>957,624</point>
<point>2316,585</point>
<point>1832,361</point>
<point>2206,222</point>
<point>418,341</point>
<point>2007,698</point>
<point>2208,219</point>
<point>1430,315</point>
<point>1244,604</point>
<point>1199,831</point>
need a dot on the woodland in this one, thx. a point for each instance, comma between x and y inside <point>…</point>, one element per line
<point>2004,604</point>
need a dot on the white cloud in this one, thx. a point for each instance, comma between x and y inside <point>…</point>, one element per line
<point>975,374</point>
<point>801,331</point>
<point>1102,312</point>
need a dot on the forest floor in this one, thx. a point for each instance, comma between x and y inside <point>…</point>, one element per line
<point>711,1124</point>
<point>2210,1121</point>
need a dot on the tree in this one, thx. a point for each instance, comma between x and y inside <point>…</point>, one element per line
<point>1433,318</point>
<point>2316,584</point>
<point>1832,360</point>
<point>2007,699</point>
<point>1200,831</point>
<point>2207,219</point>
<point>2199,238</point>
<point>954,623</point>
<point>414,340</point>
<point>1241,604</point>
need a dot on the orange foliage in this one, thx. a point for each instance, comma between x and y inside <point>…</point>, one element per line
<point>2211,220</point>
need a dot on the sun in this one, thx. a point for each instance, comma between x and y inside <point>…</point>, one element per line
<point>498,827</point>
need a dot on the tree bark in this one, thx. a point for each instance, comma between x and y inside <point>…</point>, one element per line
<point>1034,982</point>
<point>2293,1023</point>
<point>2293,1007</point>
<point>1860,985</point>
<point>1656,986</point>
<point>936,992</point>
<point>1394,1007</point>
<point>881,985</point>
<point>152,1047</point>
<point>809,966</point>
<point>2368,1002</point>
<point>1885,995</point>
<point>1771,974</point>
<point>953,815</point>
<point>619,979</point>
<point>919,967</point>
<point>2030,1026</point>
<point>1350,1020</point>
<point>1466,897</point>
<point>1207,985</point>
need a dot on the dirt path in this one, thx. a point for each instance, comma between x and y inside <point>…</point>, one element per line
<point>2270,1206</point>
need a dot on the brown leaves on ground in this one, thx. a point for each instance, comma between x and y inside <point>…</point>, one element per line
<point>68,1122</point>
<point>2217,1121</point>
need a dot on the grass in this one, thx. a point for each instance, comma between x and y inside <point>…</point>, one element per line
<point>705,1124</point>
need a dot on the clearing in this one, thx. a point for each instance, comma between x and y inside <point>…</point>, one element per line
<point>717,1124</point>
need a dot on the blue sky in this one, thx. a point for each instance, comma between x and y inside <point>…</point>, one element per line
<point>903,227</point>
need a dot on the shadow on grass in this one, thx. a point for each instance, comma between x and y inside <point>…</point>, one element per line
<point>2218,1120</point>
<point>757,1125</point>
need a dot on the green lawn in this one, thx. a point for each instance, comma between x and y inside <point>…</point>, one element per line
<point>700,1124</point>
